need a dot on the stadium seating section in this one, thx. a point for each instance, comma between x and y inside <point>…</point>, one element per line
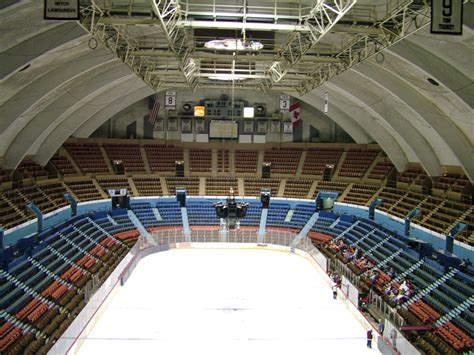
<point>42,288</point>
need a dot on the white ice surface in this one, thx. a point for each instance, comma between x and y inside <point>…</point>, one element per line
<point>199,301</point>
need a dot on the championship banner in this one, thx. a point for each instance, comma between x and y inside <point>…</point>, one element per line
<point>261,127</point>
<point>61,10</point>
<point>446,17</point>
<point>200,126</point>
<point>186,125</point>
<point>275,126</point>
<point>248,126</point>
<point>172,124</point>
<point>159,125</point>
<point>287,127</point>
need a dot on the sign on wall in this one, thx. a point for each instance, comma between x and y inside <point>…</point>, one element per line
<point>284,103</point>
<point>446,17</point>
<point>61,10</point>
<point>170,100</point>
<point>199,111</point>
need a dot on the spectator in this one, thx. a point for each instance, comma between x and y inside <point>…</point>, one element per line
<point>391,273</point>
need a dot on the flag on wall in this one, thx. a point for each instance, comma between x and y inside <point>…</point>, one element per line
<point>153,108</point>
<point>295,114</point>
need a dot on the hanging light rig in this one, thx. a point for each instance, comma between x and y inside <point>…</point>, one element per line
<point>231,212</point>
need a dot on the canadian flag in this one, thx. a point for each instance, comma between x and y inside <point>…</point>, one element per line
<point>295,114</point>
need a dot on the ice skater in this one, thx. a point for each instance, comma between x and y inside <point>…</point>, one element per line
<point>369,339</point>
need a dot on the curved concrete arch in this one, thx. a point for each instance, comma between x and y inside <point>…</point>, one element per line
<point>36,45</point>
<point>374,127</point>
<point>391,110</point>
<point>357,133</point>
<point>90,103</point>
<point>38,67</point>
<point>455,51</point>
<point>42,120</point>
<point>443,153</point>
<point>108,95</point>
<point>47,101</point>
<point>455,96</point>
<point>98,119</point>
<point>29,87</point>
<point>431,114</point>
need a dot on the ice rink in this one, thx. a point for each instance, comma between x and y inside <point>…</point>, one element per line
<point>228,301</point>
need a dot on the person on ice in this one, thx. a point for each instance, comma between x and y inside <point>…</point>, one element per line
<point>369,339</point>
<point>334,291</point>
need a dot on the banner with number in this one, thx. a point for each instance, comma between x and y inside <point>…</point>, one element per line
<point>446,17</point>
<point>284,103</point>
<point>170,100</point>
<point>275,126</point>
<point>61,10</point>
<point>287,127</point>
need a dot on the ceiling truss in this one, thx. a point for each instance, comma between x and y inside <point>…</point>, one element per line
<point>158,40</point>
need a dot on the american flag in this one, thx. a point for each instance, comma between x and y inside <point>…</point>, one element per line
<point>295,114</point>
<point>153,108</point>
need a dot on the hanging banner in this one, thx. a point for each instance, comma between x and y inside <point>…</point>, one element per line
<point>261,127</point>
<point>61,10</point>
<point>446,17</point>
<point>284,103</point>
<point>200,126</point>
<point>159,125</point>
<point>287,127</point>
<point>248,126</point>
<point>172,124</point>
<point>326,102</point>
<point>186,126</point>
<point>275,126</point>
<point>170,100</point>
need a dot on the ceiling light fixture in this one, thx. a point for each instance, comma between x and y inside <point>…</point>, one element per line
<point>226,77</point>
<point>233,44</point>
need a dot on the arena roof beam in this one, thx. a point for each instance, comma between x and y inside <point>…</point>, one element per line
<point>320,20</point>
<point>169,14</point>
<point>237,57</point>
<point>398,24</point>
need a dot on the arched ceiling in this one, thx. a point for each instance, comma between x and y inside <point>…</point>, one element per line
<point>53,85</point>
